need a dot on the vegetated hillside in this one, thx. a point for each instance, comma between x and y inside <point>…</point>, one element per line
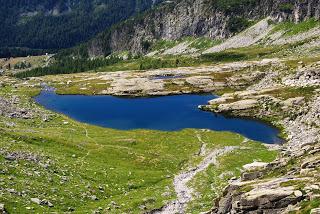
<point>214,19</point>
<point>51,24</point>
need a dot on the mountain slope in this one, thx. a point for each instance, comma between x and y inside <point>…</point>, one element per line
<point>217,19</point>
<point>60,24</point>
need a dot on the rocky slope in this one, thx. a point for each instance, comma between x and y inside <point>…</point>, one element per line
<point>291,182</point>
<point>213,19</point>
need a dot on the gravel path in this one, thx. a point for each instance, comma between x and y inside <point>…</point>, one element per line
<point>183,191</point>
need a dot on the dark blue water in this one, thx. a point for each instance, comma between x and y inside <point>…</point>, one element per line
<point>160,113</point>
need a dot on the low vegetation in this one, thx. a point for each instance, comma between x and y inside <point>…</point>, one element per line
<point>233,6</point>
<point>65,162</point>
<point>115,63</point>
<point>291,28</point>
<point>212,182</point>
<point>68,65</point>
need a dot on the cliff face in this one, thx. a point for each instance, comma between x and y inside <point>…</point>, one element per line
<point>215,19</point>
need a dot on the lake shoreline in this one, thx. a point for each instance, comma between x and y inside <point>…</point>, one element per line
<point>176,103</point>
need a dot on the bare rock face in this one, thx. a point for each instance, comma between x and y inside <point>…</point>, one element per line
<point>280,186</point>
<point>244,39</point>
<point>239,105</point>
<point>176,19</point>
<point>310,163</point>
<point>200,81</point>
<point>264,197</point>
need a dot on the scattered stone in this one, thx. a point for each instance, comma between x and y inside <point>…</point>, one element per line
<point>298,193</point>
<point>10,157</point>
<point>315,211</point>
<point>49,204</point>
<point>2,208</point>
<point>71,209</point>
<point>94,198</point>
<point>36,200</point>
<point>43,202</point>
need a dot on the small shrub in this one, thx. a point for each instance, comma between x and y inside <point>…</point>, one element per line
<point>233,6</point>
<point>237,24</point>
<point>224,57</point>
<point>22,65</point>
<point>146,45</point>
<point>286,7</point>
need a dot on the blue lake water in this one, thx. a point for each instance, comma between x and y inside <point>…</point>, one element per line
<point>167,113</point>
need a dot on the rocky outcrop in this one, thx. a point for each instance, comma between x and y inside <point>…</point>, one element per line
<point>266,197</point>
<point>9,108</point>
<point>183,80</point>
<point>176,19</point>
<point>278,187</point>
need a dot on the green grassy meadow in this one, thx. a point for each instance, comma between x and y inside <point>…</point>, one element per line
<point>82,168</point>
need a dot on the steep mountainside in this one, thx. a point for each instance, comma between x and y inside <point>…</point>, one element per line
<point>262,59</point>
<point>214,19</point>
<point>59,24</point>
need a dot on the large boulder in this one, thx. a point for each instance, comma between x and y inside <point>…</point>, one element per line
<point>239,105</point>
<point>255,166</point>
<point>293,101</point>
<point>266,198</point>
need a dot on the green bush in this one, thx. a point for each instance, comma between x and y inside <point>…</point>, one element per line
<point>146,45</point>
<point>22,65</point>
<point>233,6</point>
<point>155,63</point>
<point>286,7</point>
<point>237,24</point>
<point>224,57</point>
<point>292,29</point>
<point>69,65</point>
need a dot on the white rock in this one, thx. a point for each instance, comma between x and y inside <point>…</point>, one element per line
<point>239,105</point>
<point>298,193</point>
<point>255,166</point>
<point>315,211</point>
<point>316,187</point>
<point>293,101</point>
<point>36,200</point>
